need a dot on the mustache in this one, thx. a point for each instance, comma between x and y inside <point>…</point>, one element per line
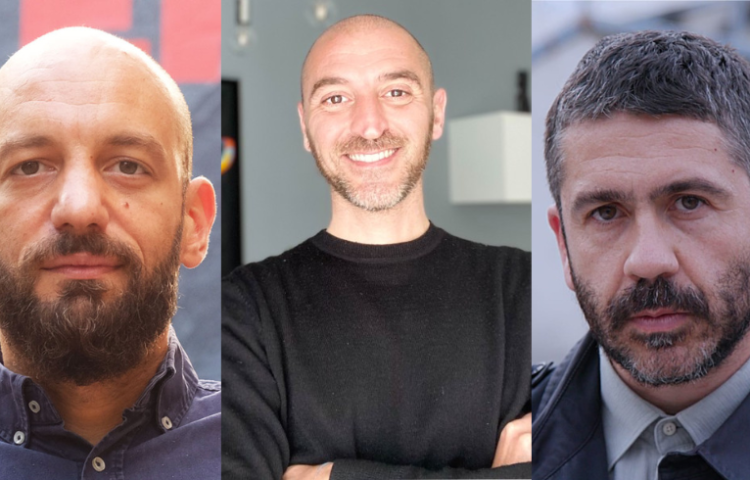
<point>662,293</point>
<point>94,243</point>
<point>386,141</point>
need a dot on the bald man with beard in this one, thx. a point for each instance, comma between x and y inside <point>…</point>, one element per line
<point>97,212</point>
<point>382,347</point>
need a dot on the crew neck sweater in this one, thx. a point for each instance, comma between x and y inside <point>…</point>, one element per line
<point>392,361</point>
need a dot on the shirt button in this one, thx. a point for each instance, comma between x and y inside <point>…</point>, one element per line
<point>19,437</point>
<point>98,464</point>
<point>166,422</point>
<point>669,429</point>
<point>34,406</point>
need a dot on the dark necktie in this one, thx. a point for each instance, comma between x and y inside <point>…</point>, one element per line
<point>677,466</point>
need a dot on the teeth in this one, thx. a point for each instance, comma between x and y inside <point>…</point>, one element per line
<point>373,157</point>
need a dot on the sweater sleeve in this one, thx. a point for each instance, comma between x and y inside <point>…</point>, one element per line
<point>254,443</point>
<point>366,470</point>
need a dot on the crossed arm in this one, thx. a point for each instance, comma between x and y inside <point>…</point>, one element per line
<point>254,438</point>
<point>513,447</point>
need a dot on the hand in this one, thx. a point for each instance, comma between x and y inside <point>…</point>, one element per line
<point>514,445</point>
<point>308,472</point>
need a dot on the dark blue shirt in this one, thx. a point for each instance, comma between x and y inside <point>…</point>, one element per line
<point>173,431</point>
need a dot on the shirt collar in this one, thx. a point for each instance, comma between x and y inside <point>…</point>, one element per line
<point>173,387</point>
<point>624,414</point>
<point>702,419</point>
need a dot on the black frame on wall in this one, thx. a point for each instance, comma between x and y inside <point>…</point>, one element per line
<point>231,233</point>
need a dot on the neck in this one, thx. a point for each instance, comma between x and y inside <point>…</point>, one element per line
<point>672,399</point>
<point>92,411</point>
<point>402,223</point>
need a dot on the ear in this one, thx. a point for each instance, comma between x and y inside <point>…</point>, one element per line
<point>200,213</point>
<point>555,221</point>
<point>439,100</point>
<point>301,113</point>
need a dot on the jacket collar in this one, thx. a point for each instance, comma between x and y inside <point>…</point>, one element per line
<point>568,438</point>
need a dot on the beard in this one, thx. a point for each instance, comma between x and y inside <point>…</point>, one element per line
<point>684,354</point>
<point>80,336</point>
<point>373,193</point>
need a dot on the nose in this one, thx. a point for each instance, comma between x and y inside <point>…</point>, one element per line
<point>79,205</point>
<point>369,118</point>
<point>652,253</point>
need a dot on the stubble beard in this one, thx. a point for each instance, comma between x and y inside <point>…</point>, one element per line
<point>80,336</point>
<point>675,357</point>
<point>372,193</point>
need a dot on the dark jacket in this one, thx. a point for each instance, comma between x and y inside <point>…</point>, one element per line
<point>568,436</point>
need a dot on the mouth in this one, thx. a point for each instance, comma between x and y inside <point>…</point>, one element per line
<point>81,266</point>
<point>373,157</point>
<point>661,320</point>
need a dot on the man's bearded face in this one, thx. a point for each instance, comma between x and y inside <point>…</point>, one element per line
<point>375,190</point>
<point>89,333</point>
<point>675,356</point>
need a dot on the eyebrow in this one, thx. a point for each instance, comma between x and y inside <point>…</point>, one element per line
<point>32,141</point>
<point>603,196</point>
<point>403,75</point>
<point>327,81</point>
<point>142,141</point>
<point>599,196</point>
<point>400,75</point>
<point>691,184</point>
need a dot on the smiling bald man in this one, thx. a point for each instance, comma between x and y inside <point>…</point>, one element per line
<point>382,347</point>
<point>97,212</point>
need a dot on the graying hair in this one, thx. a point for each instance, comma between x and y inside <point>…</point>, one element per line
<point>654,73</point>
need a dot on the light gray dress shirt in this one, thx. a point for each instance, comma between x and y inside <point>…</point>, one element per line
<point>638,434</point>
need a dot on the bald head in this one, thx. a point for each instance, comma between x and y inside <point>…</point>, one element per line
<point>372,26</point>
<point>80,54</point>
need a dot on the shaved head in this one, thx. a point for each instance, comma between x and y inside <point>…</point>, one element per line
<point>102,56</point>
<point>363,24</point>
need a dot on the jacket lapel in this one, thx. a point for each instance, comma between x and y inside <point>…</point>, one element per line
<point>568,438</point>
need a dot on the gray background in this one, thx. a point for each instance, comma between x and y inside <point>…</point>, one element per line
<point>561,33</point>
<point>476,47</point>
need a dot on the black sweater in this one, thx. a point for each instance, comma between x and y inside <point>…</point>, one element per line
<point>392,361</point>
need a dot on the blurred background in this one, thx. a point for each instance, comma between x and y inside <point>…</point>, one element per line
<point>477,48</point>
<point>562,32</point>
<point>184,37</point>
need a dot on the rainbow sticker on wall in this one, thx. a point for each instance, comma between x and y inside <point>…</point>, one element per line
<point>228,153</point>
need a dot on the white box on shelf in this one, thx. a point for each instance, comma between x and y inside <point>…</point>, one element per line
<point>489,158</point>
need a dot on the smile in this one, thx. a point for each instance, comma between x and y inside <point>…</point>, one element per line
<point>371,157</point>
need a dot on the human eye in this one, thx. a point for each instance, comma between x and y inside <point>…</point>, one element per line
<point>605,213</point>
<point>128,167</point>
<point>689,203</point>
<point>30,168</point>
<point>396,93</point>
<point>334,100</point>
